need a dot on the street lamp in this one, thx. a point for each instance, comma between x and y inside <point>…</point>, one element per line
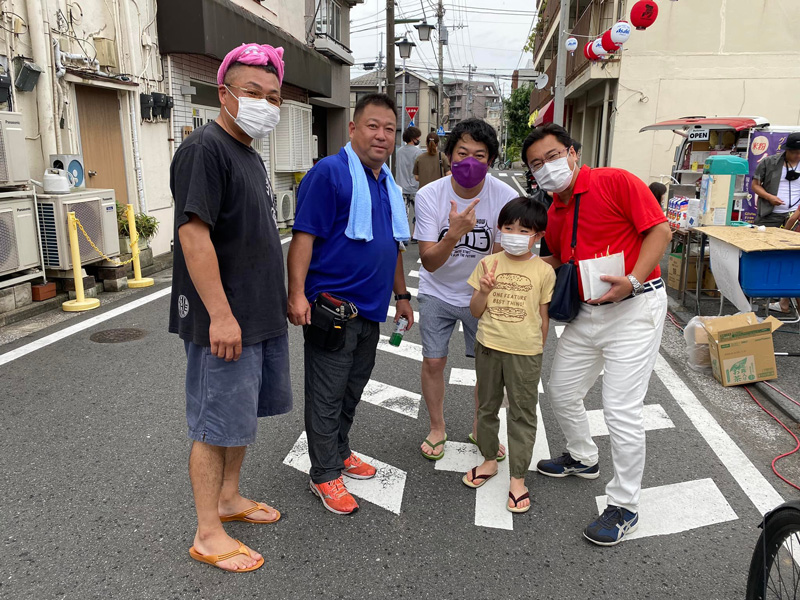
<point>404,46</point>
<point>424,31</point>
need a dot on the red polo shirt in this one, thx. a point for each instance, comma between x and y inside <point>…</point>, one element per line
<point>616,208</point>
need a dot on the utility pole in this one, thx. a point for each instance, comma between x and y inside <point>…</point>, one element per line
<point>390,88</point>
<point>470,70</point>
<point>439,29</point>
<point>561,64</point>
<point>380,66</point>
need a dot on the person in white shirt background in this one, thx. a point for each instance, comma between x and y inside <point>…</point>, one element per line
<point>406,156</point>
<point>456,228</point>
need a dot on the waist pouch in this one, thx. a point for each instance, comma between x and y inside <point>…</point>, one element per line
<point>329,317</point>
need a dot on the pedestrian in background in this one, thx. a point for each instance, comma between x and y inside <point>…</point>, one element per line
<point>432,164</point>
<point>406,156</point>
<point>344,260</point>
<point>620,332</point>
<point>228,298</point>
<point>512,294</point>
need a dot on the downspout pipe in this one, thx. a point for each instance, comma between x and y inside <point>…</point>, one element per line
<point>44,87</point>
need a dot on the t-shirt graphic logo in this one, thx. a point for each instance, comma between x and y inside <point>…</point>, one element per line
<point>183,306</point>
<point>479,239</point>
<point>273,202</point>
<point>507,301</point>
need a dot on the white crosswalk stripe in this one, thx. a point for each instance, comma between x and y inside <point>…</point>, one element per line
<point>413,274</point>
<point>406,349</point>
<point>655,417</point>
<point>392,398</point>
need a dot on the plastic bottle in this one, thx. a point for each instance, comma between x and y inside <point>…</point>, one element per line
<point>399,332</point>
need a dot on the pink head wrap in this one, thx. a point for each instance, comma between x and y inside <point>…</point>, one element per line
<point>253,54</point>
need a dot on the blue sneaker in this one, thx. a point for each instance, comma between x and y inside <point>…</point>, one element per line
<point>612,526</point>
<point>565,465</point>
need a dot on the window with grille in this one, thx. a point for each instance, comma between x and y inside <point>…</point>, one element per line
<point>293,138</point>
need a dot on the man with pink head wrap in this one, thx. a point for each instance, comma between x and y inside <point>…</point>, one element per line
<point>229,299</point>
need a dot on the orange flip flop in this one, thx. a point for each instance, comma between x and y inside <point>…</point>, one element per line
<point>213,559</point>
<point>244,515</point>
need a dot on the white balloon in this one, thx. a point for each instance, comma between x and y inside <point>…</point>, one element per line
<point>597,48</point>
<point>572,44</point>
<point>621,32</point>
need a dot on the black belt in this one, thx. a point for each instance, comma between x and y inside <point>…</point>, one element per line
<point>649,286</point>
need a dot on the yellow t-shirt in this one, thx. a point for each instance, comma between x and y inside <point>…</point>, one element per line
<point>511,322</point>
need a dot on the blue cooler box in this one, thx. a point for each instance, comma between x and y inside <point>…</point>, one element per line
<point>770,274</point>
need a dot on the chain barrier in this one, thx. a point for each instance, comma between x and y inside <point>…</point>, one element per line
<point>115,261</point>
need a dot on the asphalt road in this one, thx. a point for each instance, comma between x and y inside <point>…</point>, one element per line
<point>96,500</point>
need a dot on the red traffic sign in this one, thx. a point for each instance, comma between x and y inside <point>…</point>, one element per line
<point>412,111</point>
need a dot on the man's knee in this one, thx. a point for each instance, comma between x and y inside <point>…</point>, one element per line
<point>434,366</point>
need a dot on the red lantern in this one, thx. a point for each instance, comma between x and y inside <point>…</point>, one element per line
<point>644,13</point>
<point>609,45</point>
<point>589,53</point>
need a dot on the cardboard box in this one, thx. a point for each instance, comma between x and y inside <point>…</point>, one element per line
<point>741,348</point>
<point>674,272</point>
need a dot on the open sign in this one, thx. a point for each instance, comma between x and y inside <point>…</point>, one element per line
<point>698,135</point>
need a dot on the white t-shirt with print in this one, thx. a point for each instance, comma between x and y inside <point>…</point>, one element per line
<point>449,282</point>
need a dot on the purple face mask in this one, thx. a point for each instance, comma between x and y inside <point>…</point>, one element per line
<point>469,172</point>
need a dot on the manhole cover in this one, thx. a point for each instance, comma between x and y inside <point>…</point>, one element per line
<point>115,336</point>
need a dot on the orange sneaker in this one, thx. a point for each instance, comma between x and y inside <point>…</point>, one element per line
<point>335,496</point>
<point>357,469</point>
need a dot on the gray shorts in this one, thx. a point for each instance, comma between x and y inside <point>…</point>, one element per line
<point>437,319</point>
<point>224,399</point>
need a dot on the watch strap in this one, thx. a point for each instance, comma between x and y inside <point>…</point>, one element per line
<point>405,296</point>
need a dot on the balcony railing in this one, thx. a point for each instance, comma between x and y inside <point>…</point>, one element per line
<point>583,27</point>
<point>544,22</point>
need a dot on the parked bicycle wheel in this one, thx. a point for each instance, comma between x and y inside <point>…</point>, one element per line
<point>775,566</point>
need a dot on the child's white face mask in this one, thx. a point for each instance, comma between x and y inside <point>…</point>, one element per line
<point>515,244</point>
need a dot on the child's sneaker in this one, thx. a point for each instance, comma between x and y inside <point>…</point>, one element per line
<point>357,469</point>
<point>610,528</point>
<point>565,465</point>
<point>335,496</point>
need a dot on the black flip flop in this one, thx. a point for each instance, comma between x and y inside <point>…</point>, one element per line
<point>475,476</point>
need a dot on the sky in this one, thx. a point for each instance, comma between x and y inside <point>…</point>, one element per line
<point>488,34</point>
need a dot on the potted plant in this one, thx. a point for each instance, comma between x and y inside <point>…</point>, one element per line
<point>146,227</point>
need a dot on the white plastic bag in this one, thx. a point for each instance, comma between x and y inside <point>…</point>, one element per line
<point>593,268</point>
<point>697,352</point>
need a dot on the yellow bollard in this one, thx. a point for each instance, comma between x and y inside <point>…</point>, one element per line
<point>138,281</point>
<point>80,303</point>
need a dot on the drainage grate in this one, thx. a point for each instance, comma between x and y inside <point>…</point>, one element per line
<point>116,336</point>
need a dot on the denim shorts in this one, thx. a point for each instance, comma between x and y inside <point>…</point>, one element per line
<point>224,399</point>
<point>437,319</point>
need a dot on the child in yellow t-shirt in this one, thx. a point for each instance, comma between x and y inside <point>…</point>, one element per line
<point>512,293</point>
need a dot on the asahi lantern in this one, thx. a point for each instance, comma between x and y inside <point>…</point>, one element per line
<point>572,45</point>
<point>597,48</point>
<point>588,52</point>
<point>620,32</point>
<point>609,45</point>
<point>644,13</point>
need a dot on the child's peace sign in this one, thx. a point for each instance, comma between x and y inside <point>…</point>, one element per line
<point>488,280</point>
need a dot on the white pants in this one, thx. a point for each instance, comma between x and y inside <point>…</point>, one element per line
<point>624,340</point>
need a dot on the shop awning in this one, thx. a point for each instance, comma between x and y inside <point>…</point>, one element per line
<point>719,123</point>
<point>214,27</point>
<point>545,114</point>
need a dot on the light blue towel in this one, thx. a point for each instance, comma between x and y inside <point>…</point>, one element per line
<point>359,226</point>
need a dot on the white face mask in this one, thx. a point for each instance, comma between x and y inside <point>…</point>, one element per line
<point>515,244</point>
<point>554,176</point>
<point>256,118</point>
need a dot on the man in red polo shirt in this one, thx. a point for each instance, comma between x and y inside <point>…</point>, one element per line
<point>619,333</point>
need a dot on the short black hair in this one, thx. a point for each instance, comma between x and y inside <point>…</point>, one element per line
<point>658,189</point>
<point>480,131</point>
<point>530,213</point>
<point>411,133</point>
<point>237,65</point>
<point>541,132</point>
<point>374,99</point>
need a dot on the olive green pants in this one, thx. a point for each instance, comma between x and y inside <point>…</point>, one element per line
<point>519,375</point>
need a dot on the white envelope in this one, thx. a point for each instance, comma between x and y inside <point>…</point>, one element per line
<point>592,269</point>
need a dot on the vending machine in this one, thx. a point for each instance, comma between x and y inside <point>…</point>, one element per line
<point>723,178</point>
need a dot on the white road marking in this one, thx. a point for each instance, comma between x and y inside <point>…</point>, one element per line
<point>469,377</point>
<point>517,174</point>
<point>503,174</point>
<point>392,398</point>
<point>559,330</point>
<point>413,274</point>
<point>286,240</point>
<point>419,261</point>
<point>655,417</point>
<point>677,507</point>
<point>405,349</point>
<point>392,312</point>
<point>82,326</point>
<point>412,291</point>
<point>753,483</point>
<point>385,489</point>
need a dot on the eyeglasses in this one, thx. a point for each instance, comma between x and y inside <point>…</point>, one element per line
<point>273,99</point>
<point>551,156</point>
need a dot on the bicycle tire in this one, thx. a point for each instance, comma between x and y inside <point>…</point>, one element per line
<point>780,527</point>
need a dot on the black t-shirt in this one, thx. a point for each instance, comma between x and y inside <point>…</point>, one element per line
<point>225,184</point>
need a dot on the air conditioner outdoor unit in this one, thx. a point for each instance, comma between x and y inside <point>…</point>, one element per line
<point>13,157</point>
<point>73,164</point>
<point>97,212</point>
<point>19,244</point>
<point>285,208</point>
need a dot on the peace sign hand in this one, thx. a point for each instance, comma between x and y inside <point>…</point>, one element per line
<point>488,281</point>
<point>462,223</point>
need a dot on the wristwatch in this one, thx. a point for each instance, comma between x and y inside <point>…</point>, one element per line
<point>405,296</point>
<point>638,288</point>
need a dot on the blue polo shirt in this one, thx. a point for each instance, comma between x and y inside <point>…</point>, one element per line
<point>361,272</point>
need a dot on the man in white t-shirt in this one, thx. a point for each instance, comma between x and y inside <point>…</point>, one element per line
<point>456,228</point>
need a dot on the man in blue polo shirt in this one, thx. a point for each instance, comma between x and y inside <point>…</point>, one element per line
<point>344,260</point>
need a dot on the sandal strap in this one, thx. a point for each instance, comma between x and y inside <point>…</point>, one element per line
<point>240,550</point>
<point>520,499</point>
<point>476,476</point>
<point>432,445</point>
<point>255,508</point>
